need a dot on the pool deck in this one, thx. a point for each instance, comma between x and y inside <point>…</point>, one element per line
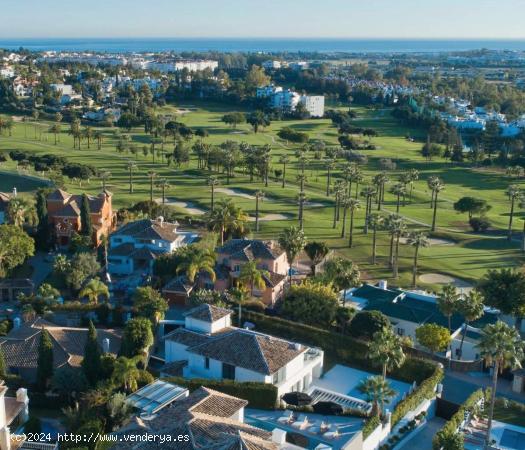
<point>345,380</point>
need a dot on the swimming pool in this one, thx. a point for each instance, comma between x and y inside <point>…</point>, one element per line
<point>512,439</point>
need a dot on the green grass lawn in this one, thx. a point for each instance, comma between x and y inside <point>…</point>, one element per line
<point>470,257</point>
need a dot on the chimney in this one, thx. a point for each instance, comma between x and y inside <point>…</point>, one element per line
<point>105,345</point>
<point>16,323</point>
<point>160,220</point>
<point>21,396</point>
<point>15,192</point>
<point>383,284</point>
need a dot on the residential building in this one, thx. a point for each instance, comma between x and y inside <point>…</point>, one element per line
<point>135,245</point>
<point>207,346</point>
<point>408,310</point>
<point>314,104</point>
<point>272,64</point>
<point>20,346</point>
<point>14,412</point>
<point>11,288</point>
<point>286,100</point>
<point>206,419</point>
<point>64,215</point>
<point>270,259</point>
<point>64,89</point>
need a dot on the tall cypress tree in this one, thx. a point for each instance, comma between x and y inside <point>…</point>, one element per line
<point>42,238</point>
<point>45,359</point>
<point>3,368</point>
<point>85,217</point>
<point>91,363</point>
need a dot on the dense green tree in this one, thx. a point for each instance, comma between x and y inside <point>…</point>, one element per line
<point>92,353</point>
<point>45,360</point>
<point>366,323</point>
<point>149,303</point>
<point>434,337</point>
<point>310,303</point>
<point>316,251</point>
<point>386,350</point>
<point>471,205</point>
<point>15,247</point>
<point>137,337</point>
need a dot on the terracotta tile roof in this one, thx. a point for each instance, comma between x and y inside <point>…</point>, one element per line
<point>179,284</point>
<point>273,279</point>
<point>208,313</point>
<point>204,416</point>
<point>186,337</point>
<point>250,249</point>
<point>250,350</point>
<point>149,229</point>
<point>59,195</point>
<point>20,346</point>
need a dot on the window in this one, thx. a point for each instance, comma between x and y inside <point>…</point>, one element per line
<point>236,268</point>
<point>401,331</point>
<point>206,363</point>
<point>228,371</point>
<point>279,376</point>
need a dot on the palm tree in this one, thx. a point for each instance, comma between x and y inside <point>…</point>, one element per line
<point>87,133</point>
<point>316,251</point>
<point>227,218</point>
<point>131,166</point>
<point>35,115</point>
<point>284,160</point>
<point>377,391</point>
<point>99,137</point>
<point>353,205</point>
<point>369,192</point>
<point>330,164</point>
<point>399,190</point>
<point>386,350</point>
<point>259,196</point>
<point>339,193</point>
<point>413,175</point>
<point>343,274</point>
<point>151,175</point>
<point>375,221</point>
<point>196,261</point>
<point>436,185</point>
<point>55,129</point>
<point>105,175</point>
<point>238,295</point>
<point>301,198</point>
<point>163,185</point>
<point>500,346</point>
<point>513,192</point>
<point>301,178</point>
<point>292,240</point>
<point>212,182</point>
<point>417,239</point>
<point>379,182</point>
<point>21,211</point>
<point>94,290</point>
<point>253,277</point>
<point>126,373</point>
<point>471,308</point>
<point>448,302</point>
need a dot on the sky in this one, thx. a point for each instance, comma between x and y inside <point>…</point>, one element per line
<point>430,19</point>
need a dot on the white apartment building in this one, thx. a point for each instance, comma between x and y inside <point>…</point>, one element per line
<point>287,100</point>
<point>208,346</point>
<point>314,104</point>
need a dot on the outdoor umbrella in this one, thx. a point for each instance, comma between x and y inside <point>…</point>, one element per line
<point>297,398</point>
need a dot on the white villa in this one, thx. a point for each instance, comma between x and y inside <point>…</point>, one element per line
<point>207,346</point>
<point>135,245</point>
<point>408,310</point>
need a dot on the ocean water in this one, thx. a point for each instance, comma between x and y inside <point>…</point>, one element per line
<point>123,45</point>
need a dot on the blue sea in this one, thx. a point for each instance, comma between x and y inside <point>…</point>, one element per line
<point>269,45</point>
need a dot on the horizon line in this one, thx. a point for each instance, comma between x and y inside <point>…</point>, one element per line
<point>276,37</point>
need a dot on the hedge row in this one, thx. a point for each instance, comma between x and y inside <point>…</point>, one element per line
<point>258,395</point>
<point>425,391</point>
<point>338,347</point>
<point>370,425</point>
<point>452,426</point>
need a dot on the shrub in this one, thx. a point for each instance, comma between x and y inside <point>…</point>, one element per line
<point>258,395</point>
<point>479,224</point>
<point>426,390</point>
<point>370,425</point>
<point>446,436</point>
<point>366,323</point>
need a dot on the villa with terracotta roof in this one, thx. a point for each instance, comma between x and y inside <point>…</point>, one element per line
<point>20,346</point>
<point>230,259</point>
<point>208,346</point>
<point>63,210</point>
<point>205,419</point>
<point>135,245</point>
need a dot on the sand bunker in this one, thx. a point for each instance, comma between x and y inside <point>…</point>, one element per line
<point>189,207</point>
<point>440,278</point>
<point>235,193</point>
<point>314,205</point>
<point>432,241</point>
<point>270,217</point>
